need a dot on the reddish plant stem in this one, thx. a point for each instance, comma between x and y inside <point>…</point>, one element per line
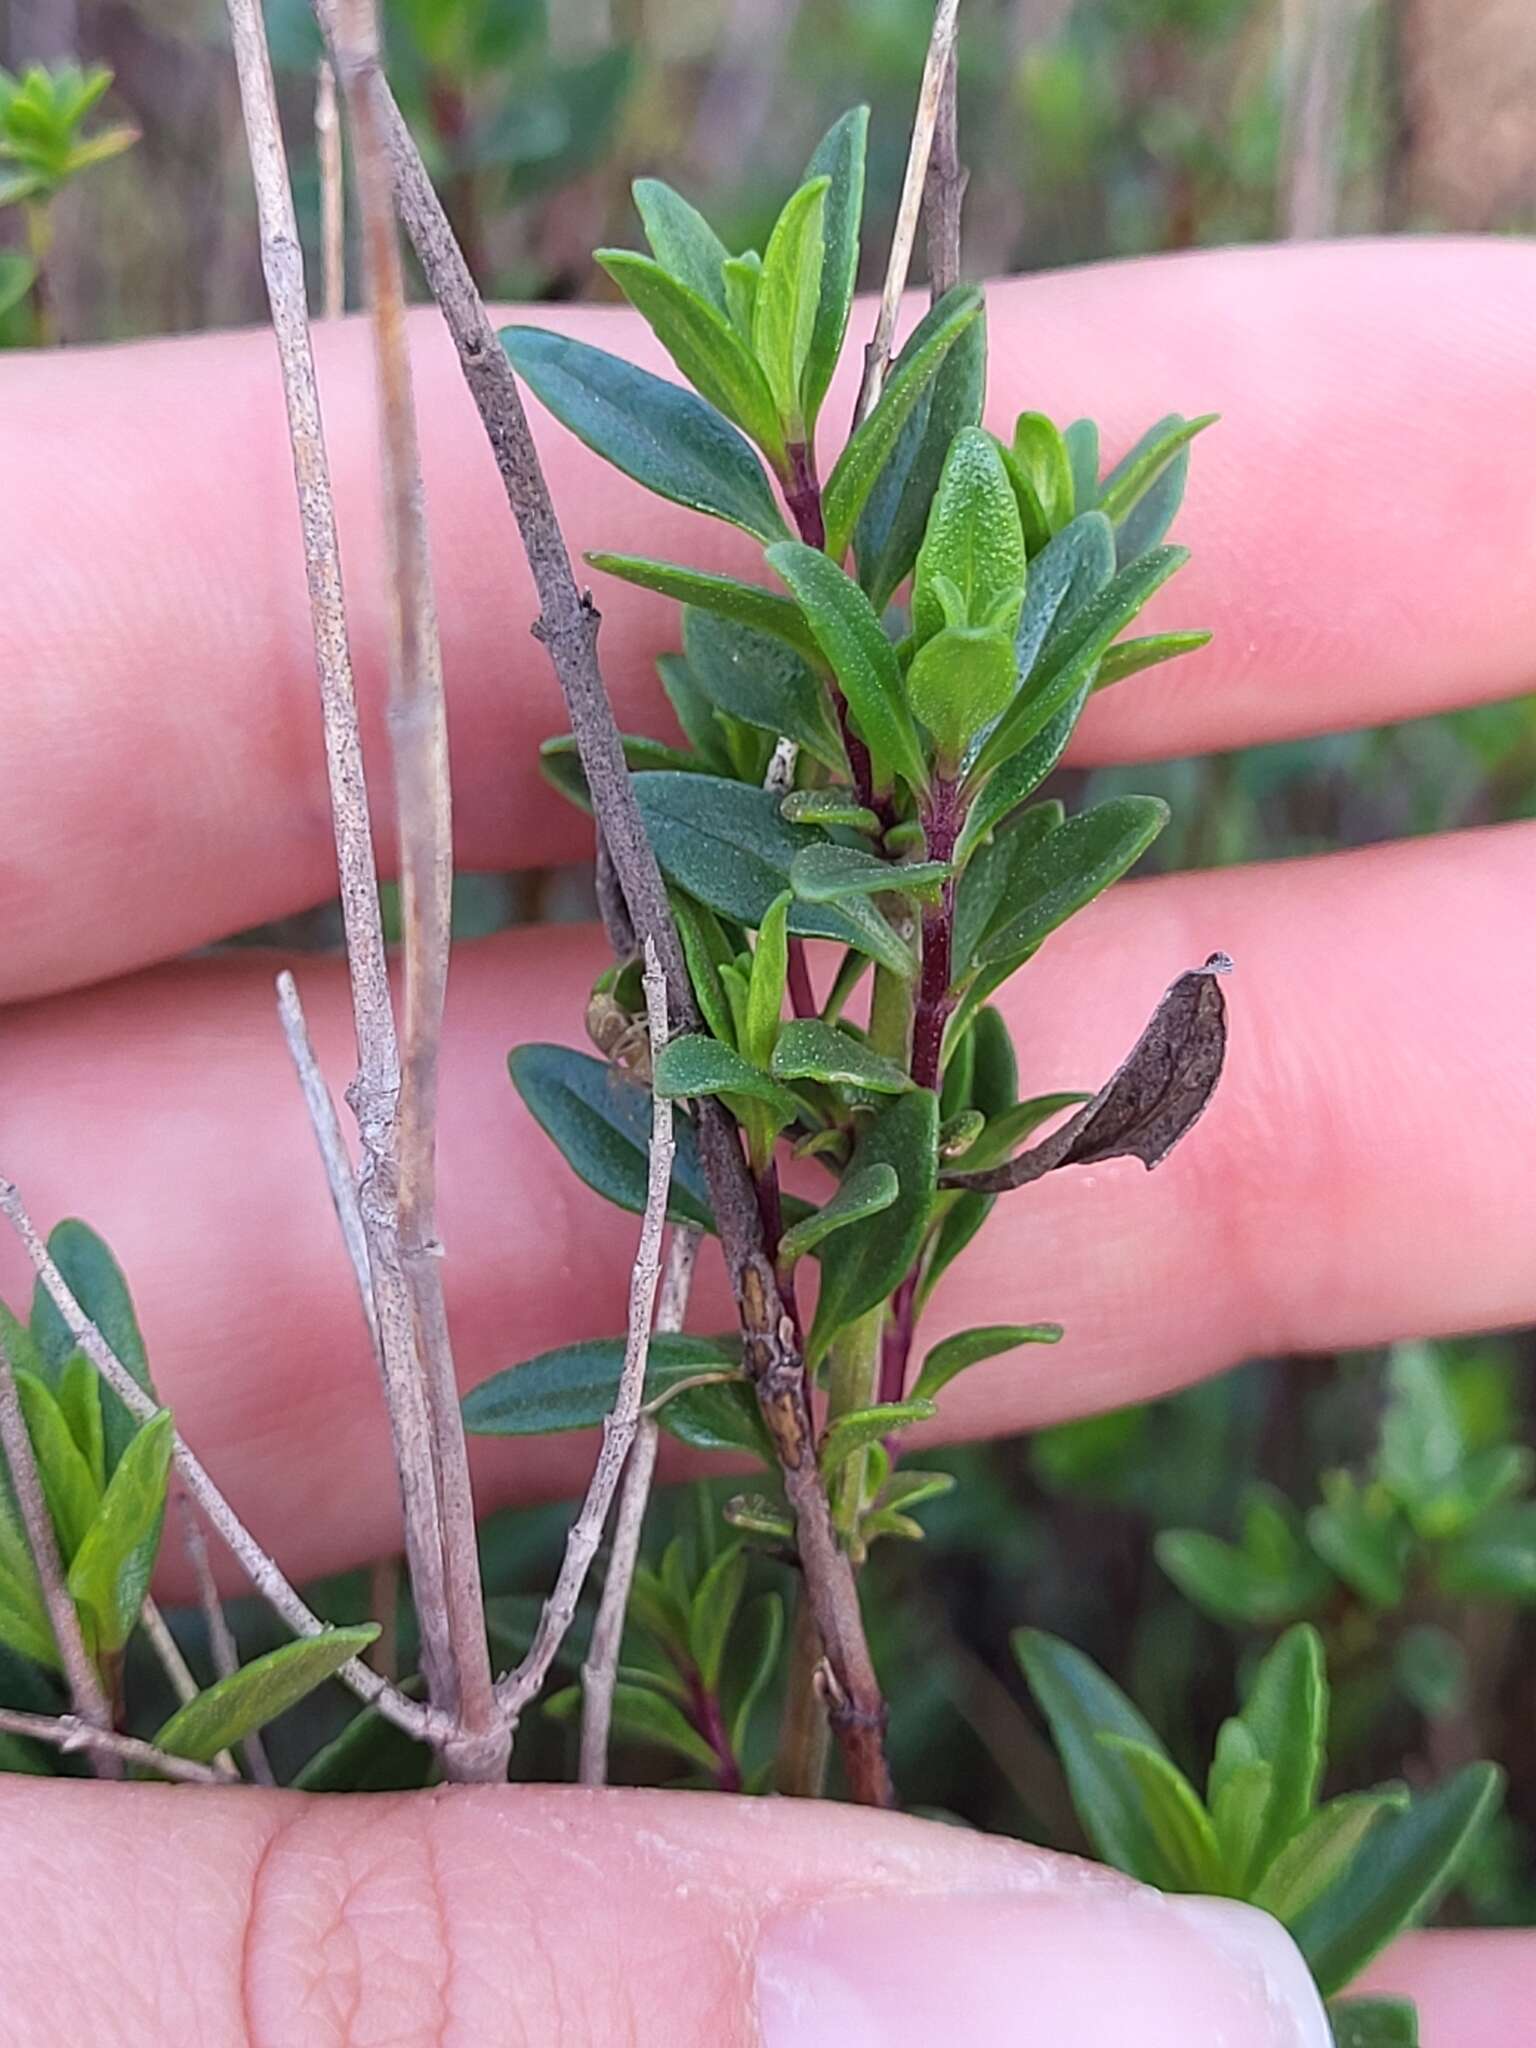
<point>704,1706</point>
<point>896,1344</point>
<point>802,997</point>
<point>802,494</point>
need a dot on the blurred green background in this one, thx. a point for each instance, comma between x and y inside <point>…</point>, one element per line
<point>1093,128</point>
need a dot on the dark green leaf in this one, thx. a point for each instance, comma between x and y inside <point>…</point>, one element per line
<point>682,240</point>
<point>1130,657</point>
<point>574,1387</point>
<point>827,808</point>
<point>1414,1857</point>
<point>1185,1835</point>
<point>111,1570</point>
<point>1063,578</point>
<point>747,604</point>
<point>1082,444</point>
<point>868,449</point>
<point>1006,1132</point>
<point>761,1636</point>
<point>640,1715</point>
<point>1359,1532</point>
<point>864,1263</point>
<point>602,1123</point>
<point>562,769</point>
<point>96,1280</point>
<point>1495,1559</point>
<point>369,1755</point>
<point>970,1347</point>
<point>24,1623</point>
<point>994,1069</point>
<point>1231,1586</point>
<point>1133,476</point>
<point>863,660</point>
<point>1374,2023</point>
<point>839,158</point>
<point>723,1417</point>
<point>694,713</point>
<point>694,1065</point>
<point>715,1601</point>
<point>728,846</point>
<point>961,1216</point>
<point>258,1692</point>
<point>890,527</point>
<point>1072,865</point>
<point>997,878</point>
<point>1081,1704</point>
<point>864,1191</point>
<point>763,682</point>
<point>703,344</point>
<point>858,1428</point>
<point>1321,1853</point>
<point>826,872</point>
<point>788,290</point>
<point>809,1050</point>
<point>665,438</point>
<point>973,539</point>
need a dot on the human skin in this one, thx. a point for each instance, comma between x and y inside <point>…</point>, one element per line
<point>1362,521</point>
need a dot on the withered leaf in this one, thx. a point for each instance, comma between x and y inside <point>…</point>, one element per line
<point>1153,1099</point>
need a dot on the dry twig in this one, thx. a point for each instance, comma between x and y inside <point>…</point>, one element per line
<point>599,1673</point>
<point>931,94</point>
<point>333,202</point>
<point>221,1643</point>
<point>80,1674</point>
<point>67,1732</point>
<point>944,189</point>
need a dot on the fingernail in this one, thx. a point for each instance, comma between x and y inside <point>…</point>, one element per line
<point>1089,1969</point>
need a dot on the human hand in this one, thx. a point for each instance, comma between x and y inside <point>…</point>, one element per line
<point>1359,524</point>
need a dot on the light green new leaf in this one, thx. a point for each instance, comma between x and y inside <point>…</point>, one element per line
<point>1286,1715</point>
<point>258,1692</point>
<point>809,1049</point>
<point>694,1065</point>
<point>828,872</point>
<point>827,808</point>
<point>764,682</point>
<point>69,1486</point>
<point>741,280</point>
<point>839,158</point>
<point>1184,1831</point>
<point>665,438</point>
<point>863,1192</point>
<point>864,1263</point>
<point>602,1124</point>
<point>1073,865</point>
<point>112,1567</point>
<point>858,1428</point>
<point>1006,1131</point>
<point>973,539</point>
<point>959,682</point>
<point>747,604</point>
<point>682,240</point>
<point>574,1386</point>
<point>861,657</point>
<point>765,990</point>
<point>1081,1704</point>
<point>1359,1531</point>
<point>788,291</point>
<point>1374,2023</point>
<point>1414,1857</point>
<point>1320,1855</point>
<point>1041,453</point>
<point>869,447</point>
<point>970,1347</point>
<point>715,1601</point>
<point>1130,657</point>
<point>24,1623</point>
<point>761,1635</point>
<point>78,1390</point>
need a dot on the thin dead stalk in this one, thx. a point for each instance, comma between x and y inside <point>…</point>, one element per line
<point>262,1571</point>
<point>519,1687</point>
<point>930,97</point>
<point>944,190</point>
<point>333,203</point>
<point>419,735</point>
<point>167,1651</point>
<point>376,1086</point>
<point>80,1674</point>
<point>221,1643</point>
<point>600,1671</point>
<point>67,1732</point>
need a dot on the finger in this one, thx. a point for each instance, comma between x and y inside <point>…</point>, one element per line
<point>1359,523</point>
<point>1361,1175</point>
<point>1473,1989</point>
<point>143,1916</point>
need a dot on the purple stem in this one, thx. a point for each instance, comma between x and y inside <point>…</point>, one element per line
<point>802,494</point>
<point>802,997</point>
<point>704,1707</point>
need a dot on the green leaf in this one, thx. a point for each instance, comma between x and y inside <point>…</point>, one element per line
<point>858,1428</point>
<point>602,1123</point>
<point>827,808</point>
<point>1005,1133</point>
<point>1359,1532</point>
<point>788,290</point>
<point>96,1280</point>
<point>1320,1854</point>
<point>1063,579</point>
<point>864,1263</point>
<point>1423,1449</point>
<point>1081,1705</point>
<point>997,877</point>
<point>663,437</point>
<point>369,1755</point>
<point>1082,445</point>
<point>746,604</point>
<point>826,872</point>
<point>643,1716</point>
<point>561,767</point>
<point>895,515</point>
<point>839,158</point>
<point>682,240</point>
<point>960,681</point>
<point>763,682</point>
<point>728,846</point>
<point>969,1347</point>
<point>1019,777</point>
<point>1133,476</point>
<point>1239,1794</point>
<point>761,1637</point>
<point>722,1417</point>
<point>1414,1857</point>
<point>765,990</point>
<point>574,1386</point>
<point>1072,865</point>
<point>1041,453</point>
<point>258,1692</point>
<point>69,1486</point>
<point>741,280</point>
<point>869,447</point>
<point>1286,1715</point>
<point>1229,1585</point>
<point>1374,2023</point>
<point>715,1601</point>
<point>24,1622</point>
<point>694,1065</point>
<point>703,344</point>
<point>974,539</point>
<point>861,657</point>
<point>17,276</point>
<point>111,1570</point>
<point>862,1192</point>
<point>1495,1559</point>
<point>810,1050</point>
<point>78,1390</point>
<point>1184,1832</point>
<point>1130,657</point>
